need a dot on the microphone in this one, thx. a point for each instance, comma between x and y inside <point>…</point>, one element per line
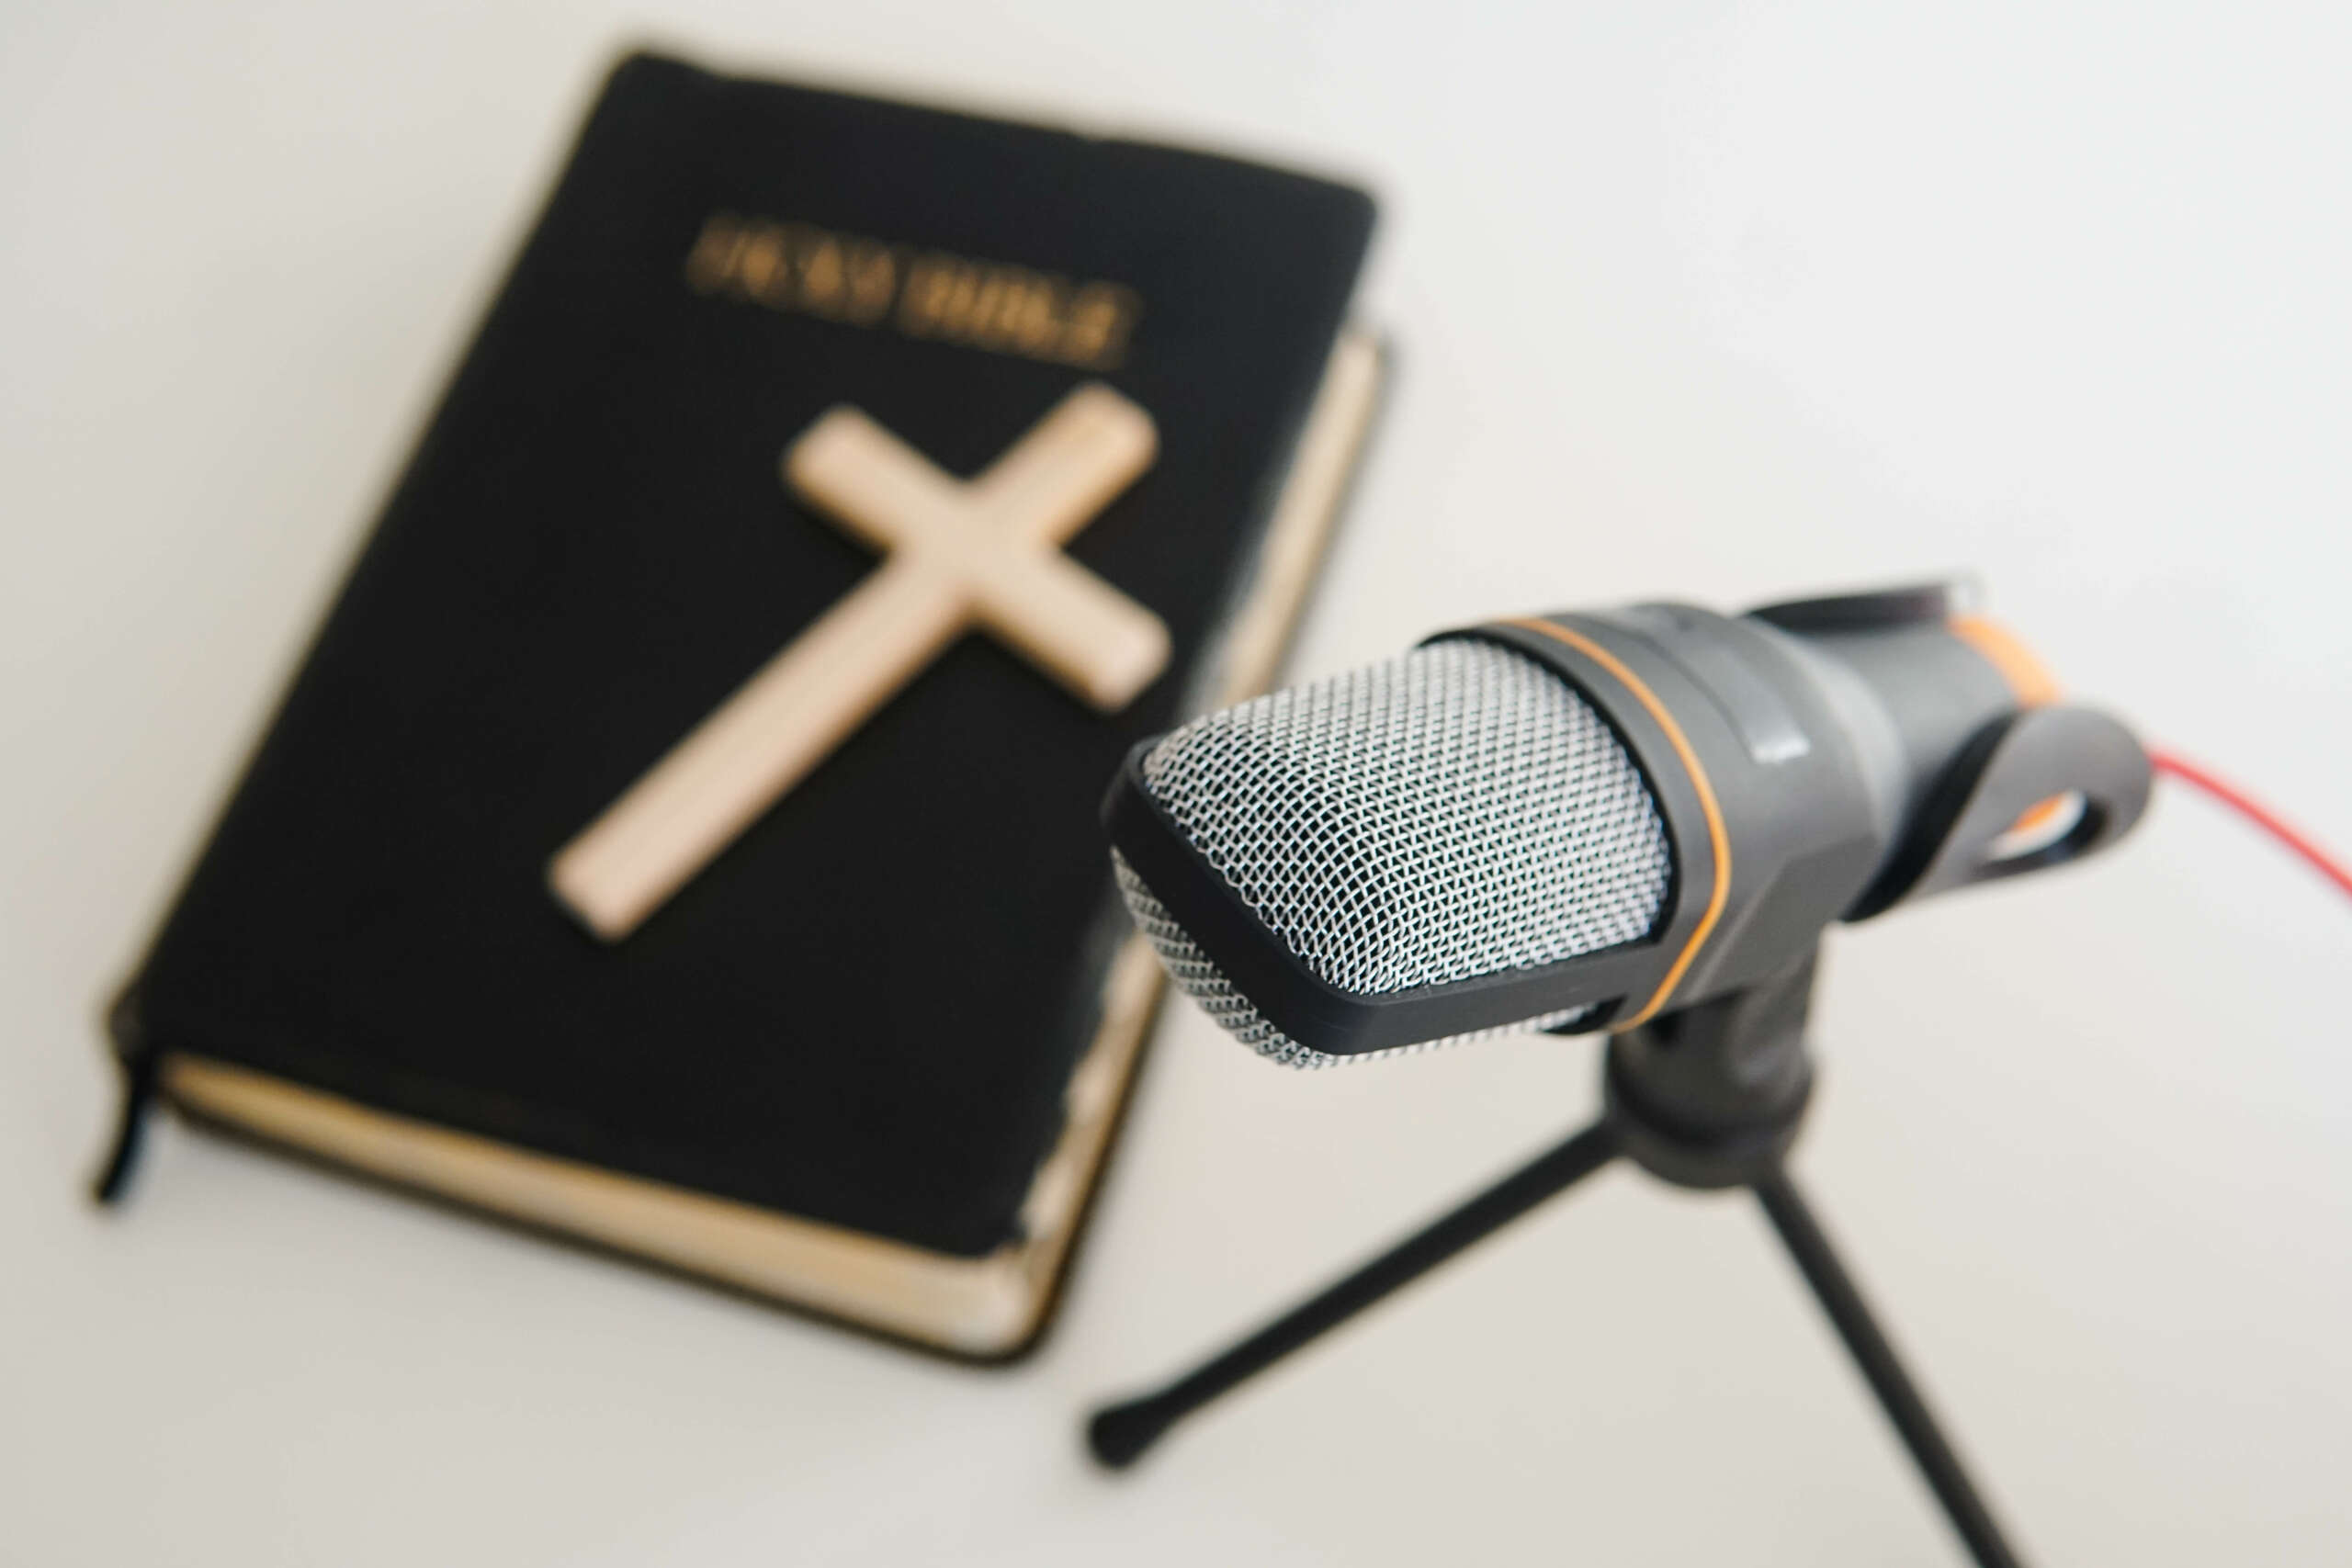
<point>1584,820</point>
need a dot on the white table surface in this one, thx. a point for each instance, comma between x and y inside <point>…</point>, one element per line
<point>1693,300</point>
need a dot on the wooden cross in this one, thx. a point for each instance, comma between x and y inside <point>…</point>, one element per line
<point>959,554</point>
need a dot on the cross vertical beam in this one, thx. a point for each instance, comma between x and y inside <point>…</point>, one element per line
<point>959,554</point>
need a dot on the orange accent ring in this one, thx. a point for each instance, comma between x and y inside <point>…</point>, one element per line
<point>1718,841</point>
<point>2028,679</point>
<point>2039,814</point>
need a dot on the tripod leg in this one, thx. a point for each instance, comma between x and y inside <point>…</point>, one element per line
<point>1917,1423</point>
<point>1120,1433</point>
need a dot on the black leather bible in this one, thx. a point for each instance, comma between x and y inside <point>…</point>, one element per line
<point>957,454</point>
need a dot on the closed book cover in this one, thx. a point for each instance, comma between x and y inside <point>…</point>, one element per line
<point>681,835</point>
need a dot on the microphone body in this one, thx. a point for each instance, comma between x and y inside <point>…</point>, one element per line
<point>1582,820</point>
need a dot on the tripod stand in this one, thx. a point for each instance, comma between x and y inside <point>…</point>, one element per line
<point>1708,1097</point>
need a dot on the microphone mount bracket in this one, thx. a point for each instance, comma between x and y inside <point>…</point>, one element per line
<point>1712,1096</point>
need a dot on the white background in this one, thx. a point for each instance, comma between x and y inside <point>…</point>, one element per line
<point>1691,301</point>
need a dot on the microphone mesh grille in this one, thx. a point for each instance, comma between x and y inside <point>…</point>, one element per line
<point>1453,813</point>
<point>1199,978</point>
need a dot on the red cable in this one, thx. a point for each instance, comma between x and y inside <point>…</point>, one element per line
<point>2253,811</point>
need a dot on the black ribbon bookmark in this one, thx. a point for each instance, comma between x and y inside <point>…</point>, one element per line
<point>138,1076</point>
